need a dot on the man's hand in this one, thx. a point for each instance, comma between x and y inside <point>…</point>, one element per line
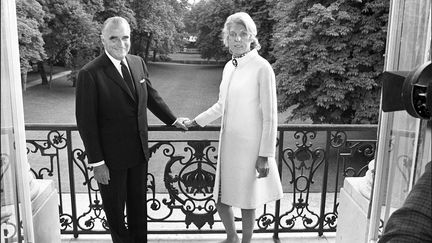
<point>262,166</point>
<point>179,123</point>
<point>190,123</point>
<point>101,174</point>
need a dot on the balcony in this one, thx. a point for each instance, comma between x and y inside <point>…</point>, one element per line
<point>313,161</point>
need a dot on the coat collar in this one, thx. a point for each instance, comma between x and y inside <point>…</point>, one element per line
<point>111,71</point>
<point>135,67</point>
<point>241,61</point>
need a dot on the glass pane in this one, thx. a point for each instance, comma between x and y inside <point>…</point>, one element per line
<point>16,213</point>
<point>412,48</point>
<point>9,205</point>
<point>404,151</point>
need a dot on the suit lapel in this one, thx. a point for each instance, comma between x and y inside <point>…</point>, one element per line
<point>134,69</point>
<point>112,73</point>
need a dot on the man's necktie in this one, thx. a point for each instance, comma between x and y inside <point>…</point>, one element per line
<point>127,78</point>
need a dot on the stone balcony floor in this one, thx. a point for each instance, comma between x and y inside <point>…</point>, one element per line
<point>295,237</point>
<point>210,238</point>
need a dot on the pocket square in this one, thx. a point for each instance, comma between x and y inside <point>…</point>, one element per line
<point>142,80</point>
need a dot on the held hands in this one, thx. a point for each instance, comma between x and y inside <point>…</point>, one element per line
<point>262,166</point>
<point>101,174</point>
<point>179,123</point>
<point>190,123</point>
<point>184,123</point>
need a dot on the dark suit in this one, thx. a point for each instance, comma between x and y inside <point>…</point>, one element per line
<point>412,223</point>
<point>113,126</point>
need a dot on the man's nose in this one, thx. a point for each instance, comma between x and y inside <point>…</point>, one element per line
<point>122,43</point>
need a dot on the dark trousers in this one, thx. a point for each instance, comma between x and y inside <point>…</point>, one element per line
<point>127,187</point>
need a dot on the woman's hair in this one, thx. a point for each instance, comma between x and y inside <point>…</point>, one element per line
<point>244,19</point>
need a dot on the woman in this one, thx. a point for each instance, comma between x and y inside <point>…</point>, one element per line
<point>246,174</point>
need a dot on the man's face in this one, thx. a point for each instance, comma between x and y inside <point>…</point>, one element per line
<point>116,40</point>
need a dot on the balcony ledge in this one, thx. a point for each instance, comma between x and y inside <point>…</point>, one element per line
<point>329,237</point>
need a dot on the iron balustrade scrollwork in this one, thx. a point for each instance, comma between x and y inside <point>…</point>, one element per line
<point>190,188</point>
<point>49,147</point>
<point>302,163</point>
<point>87,220</point>
<point>9,227</point>
<point>312,162</point>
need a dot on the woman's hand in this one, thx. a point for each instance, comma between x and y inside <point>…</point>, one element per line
<point>190,123</point>
<point>262,166</point>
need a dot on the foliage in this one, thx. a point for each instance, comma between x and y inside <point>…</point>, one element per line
<point>328,56</point>
<point>206,20</point>
<point>69,29</point>
<point>172,36</point>
<point>160,23</point>
<point>29,17</point>
<point>93,6</point>
<point>211,16</point>
<point>260,11</point>
<point>115,8</point>
<point>191,22</point>
<point>71,36</point>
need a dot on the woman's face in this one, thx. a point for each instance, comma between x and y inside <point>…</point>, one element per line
<point>239,40</point>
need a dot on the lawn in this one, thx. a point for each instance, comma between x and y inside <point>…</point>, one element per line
<point>188,89</point>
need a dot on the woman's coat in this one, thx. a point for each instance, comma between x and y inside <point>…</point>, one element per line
<point>248,106</point>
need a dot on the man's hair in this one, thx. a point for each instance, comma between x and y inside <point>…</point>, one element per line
<point>244,19</point>
<point>116,20</point>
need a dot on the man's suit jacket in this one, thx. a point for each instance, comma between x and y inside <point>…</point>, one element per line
<point>111,121</point>
<point>412,222</point>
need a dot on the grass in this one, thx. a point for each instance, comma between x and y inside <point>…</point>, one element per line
<point>187,89</point>
<point>34,75</point>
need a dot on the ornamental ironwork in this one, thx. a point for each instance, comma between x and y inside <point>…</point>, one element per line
<point>313,160</point>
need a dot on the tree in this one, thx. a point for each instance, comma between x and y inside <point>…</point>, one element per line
<point>328,56</point>
<point>86,50</point>
<point>260,11</point>
<point>115,8</point>
<point>191,21</point>
<point>159,25</point>
<point>71,36</point>
<point>211,16</point>
<point>29,17</point>
<point>207,19</point>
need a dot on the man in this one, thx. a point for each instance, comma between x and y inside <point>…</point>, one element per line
<point>112,96</point>
<point>412,223</point>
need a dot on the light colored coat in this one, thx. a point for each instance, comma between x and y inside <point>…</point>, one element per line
<point>248,106</point>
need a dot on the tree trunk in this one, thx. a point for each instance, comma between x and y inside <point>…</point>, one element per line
<point>24,81</point>
<point>41,69</point>
<point>147,50</point>
<point>50,75</point>
<point>154,55</point>
<point>73,75</point>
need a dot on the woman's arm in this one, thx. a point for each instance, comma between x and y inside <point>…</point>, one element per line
<point>216,110</point>
<point>268,102</point>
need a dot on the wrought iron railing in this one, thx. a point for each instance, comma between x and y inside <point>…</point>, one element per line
<point>313,160</point>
